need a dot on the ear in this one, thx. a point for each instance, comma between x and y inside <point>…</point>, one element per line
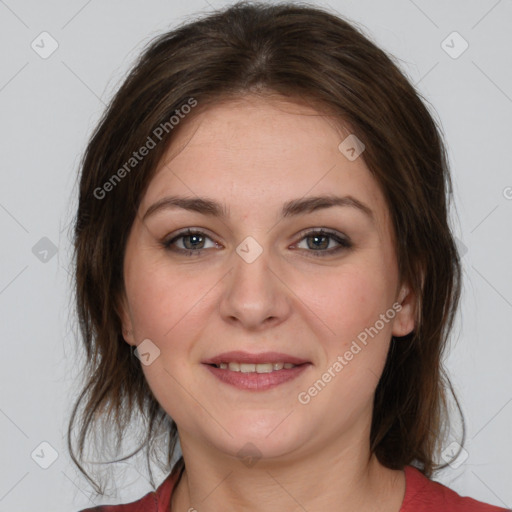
<point>404,321</point>
<point>126,323</point>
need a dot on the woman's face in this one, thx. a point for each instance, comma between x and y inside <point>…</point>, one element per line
<point>257,279</point>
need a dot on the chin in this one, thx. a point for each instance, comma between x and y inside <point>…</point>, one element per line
<point>268,436</point>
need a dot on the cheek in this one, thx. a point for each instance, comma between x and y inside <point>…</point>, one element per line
<point>348,300</point>
<point>350,303</point>
<point>166,308</point>
<point>163,300</point>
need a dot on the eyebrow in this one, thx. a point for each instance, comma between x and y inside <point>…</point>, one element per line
<point>206,206</point>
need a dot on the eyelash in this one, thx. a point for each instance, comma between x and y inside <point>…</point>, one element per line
<point>344,243</point>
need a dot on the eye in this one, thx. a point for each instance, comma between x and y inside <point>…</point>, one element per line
<point>191,241</point>
<point>319,242</point>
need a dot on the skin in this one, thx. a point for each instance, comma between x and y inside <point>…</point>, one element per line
<point>253,154</point>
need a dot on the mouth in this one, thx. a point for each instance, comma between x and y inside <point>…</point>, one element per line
<point>255,372</point>
<point>253,367</point>
<point>244,361</point>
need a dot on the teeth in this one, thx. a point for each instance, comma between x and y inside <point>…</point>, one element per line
<point>255,368</point>
<point>246,367</point>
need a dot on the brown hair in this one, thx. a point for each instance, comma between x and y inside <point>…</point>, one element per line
<point>301,52</point>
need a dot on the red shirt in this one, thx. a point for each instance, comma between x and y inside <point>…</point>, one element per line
<point>421,495</point>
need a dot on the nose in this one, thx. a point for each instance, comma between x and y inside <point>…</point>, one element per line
<point>255,296</point>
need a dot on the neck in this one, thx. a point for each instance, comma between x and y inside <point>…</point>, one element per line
<point>345,479</point>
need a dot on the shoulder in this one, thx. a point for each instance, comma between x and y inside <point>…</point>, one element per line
<point>423,494</point>
<point>154,501</point>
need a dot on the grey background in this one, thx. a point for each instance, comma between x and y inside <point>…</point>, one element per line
<point>49,107</point>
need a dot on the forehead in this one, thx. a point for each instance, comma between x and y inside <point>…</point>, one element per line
<point>260,127</point>
<point>261,152</point>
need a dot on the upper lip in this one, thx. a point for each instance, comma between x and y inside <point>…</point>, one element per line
<point>246,357</point>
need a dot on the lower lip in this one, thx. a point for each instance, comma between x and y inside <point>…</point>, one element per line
<point>257,381</point>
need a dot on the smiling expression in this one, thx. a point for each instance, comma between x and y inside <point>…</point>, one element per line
<point>226,254</point>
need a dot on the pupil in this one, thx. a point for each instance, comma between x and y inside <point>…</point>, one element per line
<point>316,238</point>
<point>190,237</point>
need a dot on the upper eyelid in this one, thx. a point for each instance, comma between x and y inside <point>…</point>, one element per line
<point>189,232</point>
